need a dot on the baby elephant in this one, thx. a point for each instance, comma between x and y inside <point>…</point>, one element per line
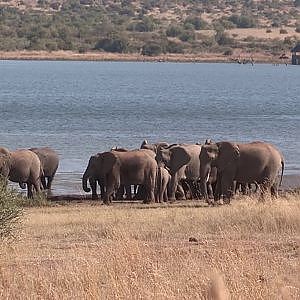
<point>49,161</point>
<point>163,180</point>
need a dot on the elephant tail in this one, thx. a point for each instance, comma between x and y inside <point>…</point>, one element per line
<point>282,169</point>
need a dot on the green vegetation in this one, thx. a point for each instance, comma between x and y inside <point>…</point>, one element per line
<point>150,27</point>
<point>10,210</point>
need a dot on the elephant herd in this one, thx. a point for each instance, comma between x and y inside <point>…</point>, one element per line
<point>161,172</point>
<point>34,167</point>
<point>158,172</point>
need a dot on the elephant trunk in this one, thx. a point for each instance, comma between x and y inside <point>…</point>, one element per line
<point>84,182</point>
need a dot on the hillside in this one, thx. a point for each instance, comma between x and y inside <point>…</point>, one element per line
<point>151,27</point>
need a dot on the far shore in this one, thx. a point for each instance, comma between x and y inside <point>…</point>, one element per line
<point>104,56</point>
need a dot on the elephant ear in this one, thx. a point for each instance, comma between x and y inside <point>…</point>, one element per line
<point>179,158</point>
<point>228,154</point>
<point>107,161</point>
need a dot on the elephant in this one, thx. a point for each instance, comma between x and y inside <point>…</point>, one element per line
<point>153,147</point>
<point>139,192</point>
<point>131,167</point>
<point>24,167</point>
<point>163,180</point>
<point>49,161</point>
<point>183,162</point>
<point>257,162</point>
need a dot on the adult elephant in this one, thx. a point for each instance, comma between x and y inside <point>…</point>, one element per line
<point>49,162</point>
<point>24,167</point>
<point>131,167</point>
<point>257,162</point>
<point>182,161</point>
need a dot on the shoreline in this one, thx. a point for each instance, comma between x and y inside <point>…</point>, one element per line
<point>113,57</point>
<point>69,187</point>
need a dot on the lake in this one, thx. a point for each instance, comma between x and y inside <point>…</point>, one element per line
<point>81,108</point>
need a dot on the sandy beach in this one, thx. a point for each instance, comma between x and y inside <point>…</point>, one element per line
<point>105,56</point>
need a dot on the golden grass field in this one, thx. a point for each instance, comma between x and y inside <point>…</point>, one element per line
<point>185,250</point>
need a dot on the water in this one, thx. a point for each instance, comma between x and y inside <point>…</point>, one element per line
<point>81,108</point>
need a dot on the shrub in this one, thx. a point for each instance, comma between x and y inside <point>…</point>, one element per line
<point>173,47</point>
<point>297,28</point>
<point>187,36</point>
<point>115,45</point>
<point>174,31</point>
<point>10,210</point>
<point>283,31</point>
<point>268,30</point>
<point>223,38</point>
<point>243,21</point>
<point>228,52</point>
<point>196,22</point>
<point>152,49</point>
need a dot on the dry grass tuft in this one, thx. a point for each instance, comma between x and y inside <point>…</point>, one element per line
<point>125,251</point>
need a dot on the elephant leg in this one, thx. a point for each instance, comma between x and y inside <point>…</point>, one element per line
<point>244,187</point>
<point>120,192</point>
<point>173,187</point>
<point>102,189</point>
<point>37,187</point>
<point>128,192</point>
<point>218,188</point>
<point>264,188</point>
<point>210,190</point>
<point>93,185</point>
<point>274,189</point>
<point>227,188</point>
<point>49,183</point>
<point>29,190</point>
<point>43,181</point>
<point>181,192</point>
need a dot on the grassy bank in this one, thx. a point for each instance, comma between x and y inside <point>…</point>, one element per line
<point>84,251</point>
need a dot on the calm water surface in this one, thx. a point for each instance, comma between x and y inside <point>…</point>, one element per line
<point>81,108</point>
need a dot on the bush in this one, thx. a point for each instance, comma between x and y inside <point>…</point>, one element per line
<point>187,36</point>
<point>223,38</point>
<point>115,45</point>
<point>152,49</point>
<point>283,31</point>
<point>145,25</point>
<point>196,22</point>
<point>10,210</point>
<point>268,30</point>
<point>173,47</point>
<point>228,52</point>
<point>243,21</point>
<point>297,28</point>
<point>174,31</point>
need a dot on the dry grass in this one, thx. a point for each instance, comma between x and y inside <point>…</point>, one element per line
<point>247,250</point>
